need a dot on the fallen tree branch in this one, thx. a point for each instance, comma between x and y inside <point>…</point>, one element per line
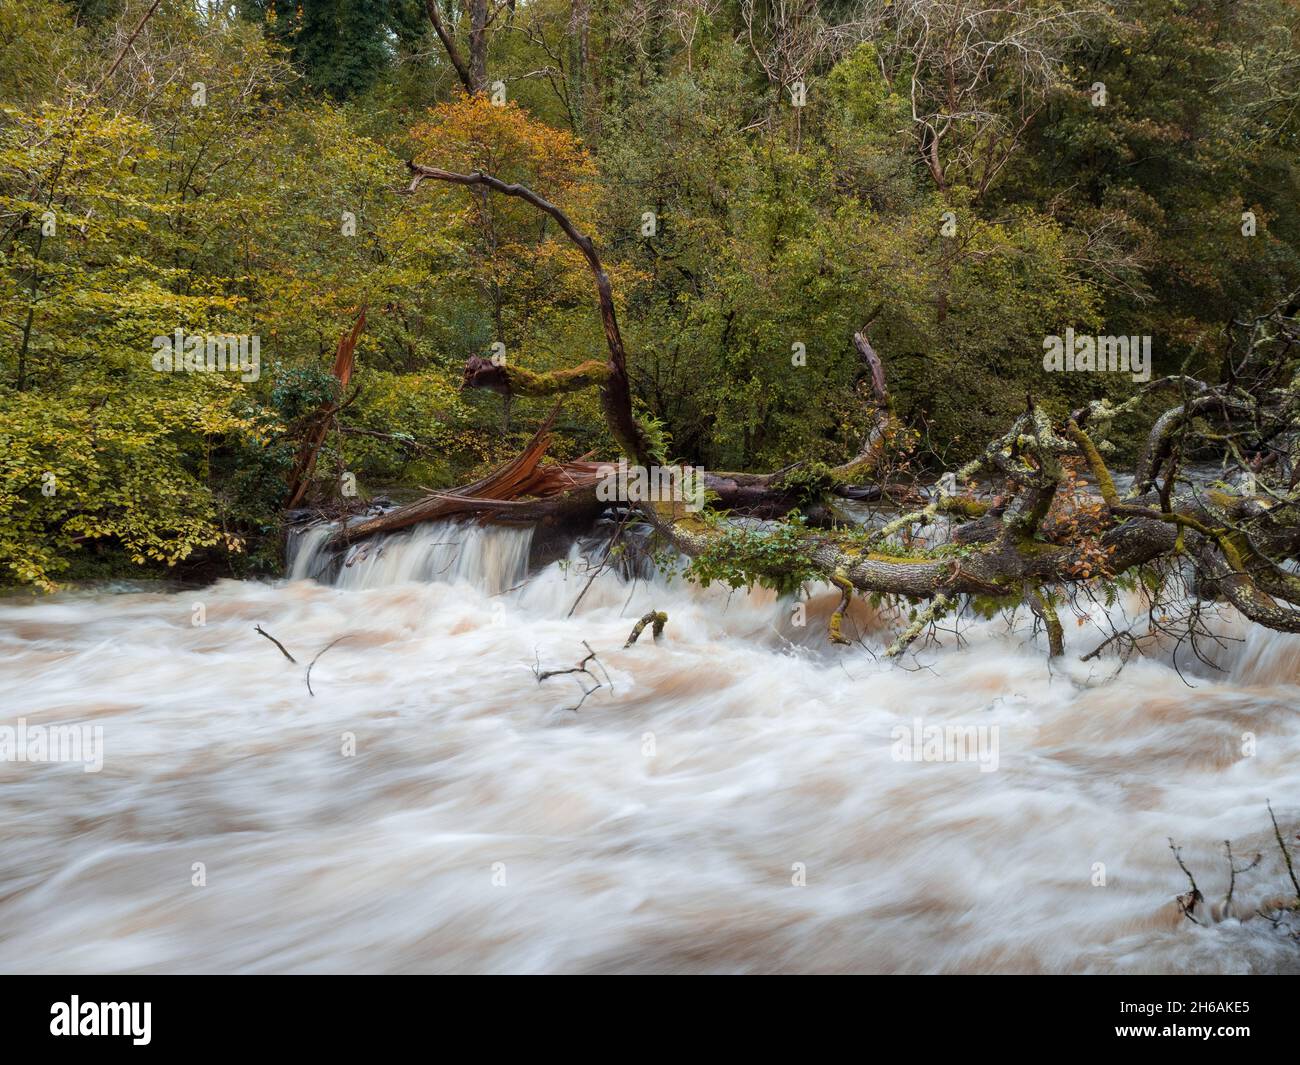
<point>1187,903</point>
<point>835,627</point>
<point>1238,542</point>
<point>1041,604</point>
<point>1286,854</point>
<point>615,389</point>
<point>937,606</point>
<point>1284,912</point>
<point>1116,637</point>
<point>657,617</point>
<point>1234,872</point>
<point>581,667</point>
<point>261,631</point>
<point>523,475</point>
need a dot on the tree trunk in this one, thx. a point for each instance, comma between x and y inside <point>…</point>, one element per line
<point>478,45</point>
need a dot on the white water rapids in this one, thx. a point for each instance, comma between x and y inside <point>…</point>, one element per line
<point>732,804</point>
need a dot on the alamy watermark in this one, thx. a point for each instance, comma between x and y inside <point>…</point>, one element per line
<point>209,353</point>
<point>1075,354</point>
<point>651,484</point>
<point>133,1019</point>
<point>53,743</point>
<point>946,743</point>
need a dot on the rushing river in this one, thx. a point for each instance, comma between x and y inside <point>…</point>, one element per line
<point>731,799</point>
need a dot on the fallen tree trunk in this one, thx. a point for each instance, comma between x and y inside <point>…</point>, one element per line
<point>1239,541</point>
<point>555,489</point>
<point>759,495</point>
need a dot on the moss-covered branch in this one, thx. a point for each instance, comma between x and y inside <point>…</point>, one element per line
<point>589,374</point>
<point>656,618</point>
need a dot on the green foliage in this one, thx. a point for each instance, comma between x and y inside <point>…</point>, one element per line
<point>808,483</point>
<point>1199,125</point>
<point>740,556</point>
<point>38,40</point>
<point>404,429</point>
<point>343,46</point>
<point>300,391</point>
<point>271,209</point>
<point>93,465</point>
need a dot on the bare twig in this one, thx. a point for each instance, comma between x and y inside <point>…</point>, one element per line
<point>1233,871</point>
<point>581,667</point>
<point>261,631</point>
<point>1286,855</point>
<point>1187,903</point>
<point>318,654</point>
<point>125,48</point>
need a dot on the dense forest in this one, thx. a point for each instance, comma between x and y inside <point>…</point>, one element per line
<point>918,381</point>
<point>762,183</point>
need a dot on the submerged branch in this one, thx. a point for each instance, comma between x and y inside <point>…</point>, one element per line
<point>656,617</point>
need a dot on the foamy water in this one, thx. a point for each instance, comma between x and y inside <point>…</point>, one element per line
<point>731,804</point>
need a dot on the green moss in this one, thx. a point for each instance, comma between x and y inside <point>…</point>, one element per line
<point>688,521</point>
<point>969,508</point>
<point>1224,500</point>
<point>808,483</point>
<point>1032,548</point>
<point>1105,483</point>
<point>877,556</point>
<point>553,382</point>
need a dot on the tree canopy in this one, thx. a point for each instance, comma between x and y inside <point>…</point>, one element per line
<point>762,180</point>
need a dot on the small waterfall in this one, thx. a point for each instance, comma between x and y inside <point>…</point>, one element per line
<point>492,558</point>
<point>1268,658</point>
<point>307,556</point>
